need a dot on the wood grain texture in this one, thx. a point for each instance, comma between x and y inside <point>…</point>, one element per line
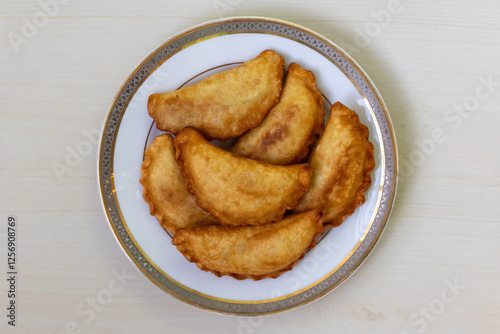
<point>446,220</point>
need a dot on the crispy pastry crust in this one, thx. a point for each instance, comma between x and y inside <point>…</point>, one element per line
<point>165,189</point>
<point>256,252</point>
<point>342,162</point>
<point>237,190</point>
<point>225,104</point>
<point>292,125</point>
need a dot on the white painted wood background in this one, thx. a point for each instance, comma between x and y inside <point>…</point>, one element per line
<point>432,57</point>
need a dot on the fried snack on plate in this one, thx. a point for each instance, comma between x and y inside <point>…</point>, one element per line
<point>342,162</point>
<point>292,125</point>
<point>225,104</point>
<point>234,189</point>
<point>165,189</point>
<point>257,252</point>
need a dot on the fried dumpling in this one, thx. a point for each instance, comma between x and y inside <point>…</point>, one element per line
<point>342,162</point>
<point>225,104</point>
<point>234,189</point>
<point>256,252</point>
<point>165,189</point>
<point>292,125</point>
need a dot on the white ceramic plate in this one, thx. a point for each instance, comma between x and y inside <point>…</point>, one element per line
<point>188,57</point>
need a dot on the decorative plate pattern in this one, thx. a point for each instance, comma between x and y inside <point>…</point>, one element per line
<point>388,163</point>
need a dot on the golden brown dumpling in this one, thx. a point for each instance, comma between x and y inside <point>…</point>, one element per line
<point>234,189</point>
<point>256,252</point>
<point>165,189</point>
<point>225,104</point>
<point>292,125</point>
<point>342,162</point>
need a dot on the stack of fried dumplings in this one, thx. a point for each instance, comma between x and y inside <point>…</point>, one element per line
<point>254,210</point>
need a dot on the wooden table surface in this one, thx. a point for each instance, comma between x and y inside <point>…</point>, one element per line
<point>436,64</point>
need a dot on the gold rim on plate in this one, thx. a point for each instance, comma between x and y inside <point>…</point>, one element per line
<point>372,99</point>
